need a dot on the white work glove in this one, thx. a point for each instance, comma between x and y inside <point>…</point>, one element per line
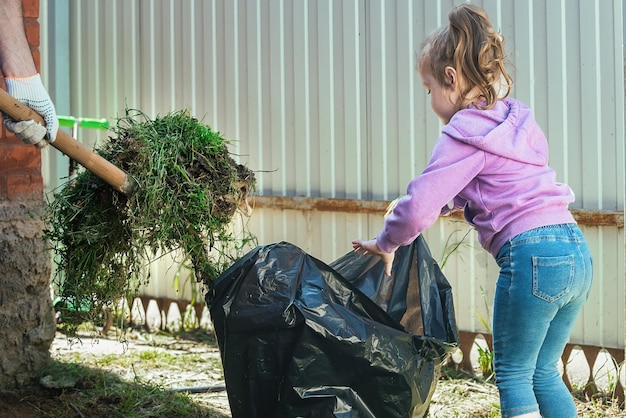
<point>31,92</point>
<point>28,131</point>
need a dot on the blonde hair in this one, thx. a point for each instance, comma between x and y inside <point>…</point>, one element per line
<point>474,49</point>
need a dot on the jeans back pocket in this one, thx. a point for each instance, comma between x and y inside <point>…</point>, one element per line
<point>552,276</point>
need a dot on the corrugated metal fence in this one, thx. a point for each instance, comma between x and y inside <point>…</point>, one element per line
<point>322,98</point>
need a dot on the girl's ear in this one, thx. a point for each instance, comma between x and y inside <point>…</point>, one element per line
<point>451,76</point>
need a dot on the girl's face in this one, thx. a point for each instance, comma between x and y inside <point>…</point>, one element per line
<point>442,99</point>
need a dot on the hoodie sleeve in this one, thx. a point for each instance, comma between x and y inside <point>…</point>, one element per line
<point>453,165</point>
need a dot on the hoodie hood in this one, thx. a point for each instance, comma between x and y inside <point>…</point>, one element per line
<point>508,130</point>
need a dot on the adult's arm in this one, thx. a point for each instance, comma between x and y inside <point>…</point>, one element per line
<point>21,77</point>
<point>15,56</point>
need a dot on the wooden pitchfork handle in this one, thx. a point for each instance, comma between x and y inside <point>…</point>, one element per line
<point>114,176</point>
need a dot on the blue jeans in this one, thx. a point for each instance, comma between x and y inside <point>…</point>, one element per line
<point>545,276</point>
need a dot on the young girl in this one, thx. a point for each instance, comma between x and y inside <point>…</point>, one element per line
<point>491,161</point>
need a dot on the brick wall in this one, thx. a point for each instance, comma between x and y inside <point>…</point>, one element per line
<point>20,165</point>
<point>27,325</point>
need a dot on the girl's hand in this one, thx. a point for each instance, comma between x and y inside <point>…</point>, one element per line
<point>370,248</point>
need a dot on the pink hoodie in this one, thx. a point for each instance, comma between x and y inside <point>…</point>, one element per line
<point>491,163</point>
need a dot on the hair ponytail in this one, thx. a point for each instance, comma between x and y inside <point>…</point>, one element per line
<point>472,46</point>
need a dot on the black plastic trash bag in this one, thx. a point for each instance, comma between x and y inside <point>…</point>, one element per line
<point>298,338</point>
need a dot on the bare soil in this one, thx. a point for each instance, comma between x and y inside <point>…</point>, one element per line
<point>188,365</point>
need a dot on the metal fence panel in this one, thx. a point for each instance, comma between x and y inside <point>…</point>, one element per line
<point>322,99</point>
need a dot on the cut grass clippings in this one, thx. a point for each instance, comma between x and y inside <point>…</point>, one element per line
<point>188,190</point>
<point>101,393</point>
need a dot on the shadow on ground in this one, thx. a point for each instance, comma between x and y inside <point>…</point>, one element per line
<point>95,393</point>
